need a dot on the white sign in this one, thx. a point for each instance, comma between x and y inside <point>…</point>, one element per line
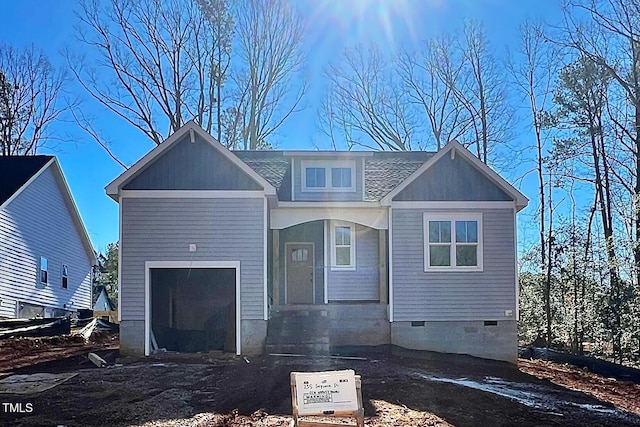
<point>319,393</point>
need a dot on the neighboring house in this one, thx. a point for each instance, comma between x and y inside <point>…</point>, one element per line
<point>231,250</point>
<point>46,257</point>
<point>102,300</point>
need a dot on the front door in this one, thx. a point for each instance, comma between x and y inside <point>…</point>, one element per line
<point>299,266</point>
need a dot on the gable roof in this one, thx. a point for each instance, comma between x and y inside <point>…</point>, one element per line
<point>25,169</point>
<point>97,293</point>
<point>17,171</point>
<point>455,148</point>
<point>114,186</point>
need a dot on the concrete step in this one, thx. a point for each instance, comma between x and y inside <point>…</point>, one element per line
<point>298,332</point>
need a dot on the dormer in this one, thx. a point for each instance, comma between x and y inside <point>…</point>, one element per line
<point>328,176</point>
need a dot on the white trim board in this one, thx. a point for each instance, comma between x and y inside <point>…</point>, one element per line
<point>455,147</point>
<point>114,186</point>
<point>148,265</point>
<point>192,194</point>
<point>453,205</point>
<point>376,218</point>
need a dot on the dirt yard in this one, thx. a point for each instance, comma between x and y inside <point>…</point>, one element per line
<point>410,389</point>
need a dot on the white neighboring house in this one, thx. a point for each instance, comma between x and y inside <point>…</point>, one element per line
<point>46,256</point>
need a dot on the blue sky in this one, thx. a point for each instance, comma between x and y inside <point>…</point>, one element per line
<point>333,25</point>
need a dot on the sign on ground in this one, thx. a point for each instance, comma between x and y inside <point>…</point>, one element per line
<point>320,393</point>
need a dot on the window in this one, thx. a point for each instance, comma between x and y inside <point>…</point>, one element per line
<point>326,175</point>
<point>453,242</point>
<point>343,246</point>
<point>300,255</point>
<point>315,177</point>
<point>341,177</point>
<point>65,276</point>
<point>44,270</point>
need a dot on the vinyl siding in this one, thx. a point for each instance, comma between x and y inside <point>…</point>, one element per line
<point>363,283</point>
<point>452,180</point>
<point>432,296</point>
<point>192,166</point>
<point>38,223</point>
<point>301,196</point>
<point>222,229</point>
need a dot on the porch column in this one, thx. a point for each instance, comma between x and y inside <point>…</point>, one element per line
<point>275,264</point>
<point>382,256</point>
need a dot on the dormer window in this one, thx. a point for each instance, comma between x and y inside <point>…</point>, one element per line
<point>326,175</point>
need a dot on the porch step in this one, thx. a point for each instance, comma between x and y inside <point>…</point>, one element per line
<point>304,331</point>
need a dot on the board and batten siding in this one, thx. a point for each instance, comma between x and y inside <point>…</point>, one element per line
<point>363,283</point>
<point>222,229</point>
<point>302,196</point>
<point>442,295</point>
<point>38,223</point>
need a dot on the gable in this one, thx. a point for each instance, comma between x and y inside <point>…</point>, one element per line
<point>452,180</point>
<point>192,166</point>
<point>17,171</point>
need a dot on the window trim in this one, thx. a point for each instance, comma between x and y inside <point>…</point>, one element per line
<point>328,165</point>
<point>352,230</point>
<point>452,218</point>
<point>45,270</point>
<point>64,276</point>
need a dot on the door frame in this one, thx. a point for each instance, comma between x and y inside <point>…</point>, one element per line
<point>313,270</point>
<point>148,265</point>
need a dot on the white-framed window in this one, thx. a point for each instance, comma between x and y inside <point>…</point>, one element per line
<point>343,246</point>
<point>453,242</point>
<point>325,175</point>
<point>65,276</point>
<point>44,270</point>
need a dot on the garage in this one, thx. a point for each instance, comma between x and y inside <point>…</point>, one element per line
<point>193,309</point>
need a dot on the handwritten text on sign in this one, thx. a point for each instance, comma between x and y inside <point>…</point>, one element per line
<point>318,392</point>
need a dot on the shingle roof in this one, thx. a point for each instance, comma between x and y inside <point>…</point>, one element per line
<point>271,165</point>
<point>383,171</point>
<point>386,170</point>
<point>15,171</point>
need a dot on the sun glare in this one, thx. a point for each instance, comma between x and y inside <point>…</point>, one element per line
<point>379,21</point>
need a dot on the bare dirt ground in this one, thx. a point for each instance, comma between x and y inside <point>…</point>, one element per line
<point>406,389</point>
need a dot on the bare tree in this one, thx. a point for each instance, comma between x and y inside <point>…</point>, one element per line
<point>268,79</point>
<point>482,91</point>
<point>154,63</point>
<point>430,78</point>
<point>533,68</point>
<point>30,92</point>
<point>365,106</point>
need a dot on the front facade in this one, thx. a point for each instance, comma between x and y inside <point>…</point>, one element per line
<point>46,257</point>
<point>218,248</point>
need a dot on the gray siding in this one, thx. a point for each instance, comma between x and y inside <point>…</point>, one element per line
<point>418,295</point>
<point>192,166</point>
<point>452,180</point>
<point>363,283</point>
<point>326,195</point>
<point>38,223</point>
<point>222,229</point>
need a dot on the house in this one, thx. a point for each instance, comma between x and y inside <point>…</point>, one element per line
<point>258,251</point>
<point>102,300</point>
<point>46,256</point>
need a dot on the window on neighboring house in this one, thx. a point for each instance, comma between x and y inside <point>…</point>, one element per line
<point>44,270</point>
<point>341,178</point>
<point>315,177</point>
<point>343,246</point>
<point>453,242</point>
<point>65,276</point>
